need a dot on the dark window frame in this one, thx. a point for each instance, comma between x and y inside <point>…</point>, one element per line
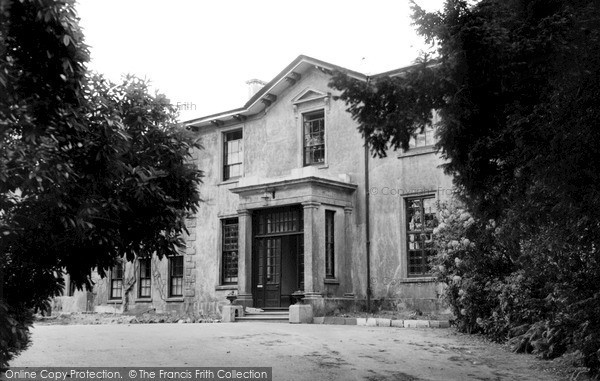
<point>329,244</point>
<point>176,271</point>
<point>313,138</point>
<point>229,250</point>
<point>71,290</point>
<point>231,136</point>
<point>423,139</point>
<point>419,226</point>
<point>117,273</point>
<point>144,278</point>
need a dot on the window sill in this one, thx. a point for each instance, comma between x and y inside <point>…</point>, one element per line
<point>416,152</point>
<point>174,299</point>
<point>226,287</point>
<point>421,279</point>
<point>317,165</point>
<point>114,301</point>
<point>331,281</point>
<point>143,300</point>
<point>230,181</point>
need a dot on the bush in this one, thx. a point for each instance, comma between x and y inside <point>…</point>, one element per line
<point>541,294</point>
<point>14,332</point>
<point>470,271</point>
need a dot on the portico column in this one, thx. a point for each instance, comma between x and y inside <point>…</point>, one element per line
<point>245,258</point>
<point>311,249</point>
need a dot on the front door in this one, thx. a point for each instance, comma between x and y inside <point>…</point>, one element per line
<point>278,268</point>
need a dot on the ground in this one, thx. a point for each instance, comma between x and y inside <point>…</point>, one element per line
<point>296,352</point>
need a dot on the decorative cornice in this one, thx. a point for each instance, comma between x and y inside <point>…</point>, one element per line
<point>311,205</point>
<point>312,180</point>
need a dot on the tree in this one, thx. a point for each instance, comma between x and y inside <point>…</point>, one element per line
<point>90,171</point>
<point>516,85</point>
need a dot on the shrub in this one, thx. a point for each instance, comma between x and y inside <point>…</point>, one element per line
<point>14,332</point>
<point>540,294</point>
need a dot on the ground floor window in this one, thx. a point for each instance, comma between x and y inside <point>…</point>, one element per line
<point>116,281</point>
<point>176,275</point>
<point>72,287</point>
<point>145,278</point>
<point>229,260</point>
<point>420,219</point>
<point>329,244</point>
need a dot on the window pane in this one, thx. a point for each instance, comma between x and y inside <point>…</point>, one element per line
<point>145,278</point>
<point>314,138</point>
<point>230,251</point>
<point>414,215</point>
<point>176,276</point>
<point>329,244</point>
<point>232,154</point>
<point>421,219</point>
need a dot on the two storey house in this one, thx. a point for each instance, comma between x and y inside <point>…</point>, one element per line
<point>292,201</point>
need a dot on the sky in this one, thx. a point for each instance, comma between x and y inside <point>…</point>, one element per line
<point>200,53</point>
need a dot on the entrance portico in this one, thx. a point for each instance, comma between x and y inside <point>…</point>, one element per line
<point>281,238</point>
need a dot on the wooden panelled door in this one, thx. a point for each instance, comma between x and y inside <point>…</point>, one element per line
<point>278,260</point>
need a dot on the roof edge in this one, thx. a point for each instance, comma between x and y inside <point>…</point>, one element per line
<point>285,72</point>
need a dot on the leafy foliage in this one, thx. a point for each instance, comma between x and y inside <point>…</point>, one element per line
<point>90,171</point>
<point>14,331</point>
<point>516,85</point>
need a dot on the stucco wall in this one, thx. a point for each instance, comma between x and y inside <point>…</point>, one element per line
<point>272,150</point>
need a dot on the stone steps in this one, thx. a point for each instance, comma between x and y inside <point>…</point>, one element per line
<point>271,316</point>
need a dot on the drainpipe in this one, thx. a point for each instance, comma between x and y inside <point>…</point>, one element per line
<point>367,224</point>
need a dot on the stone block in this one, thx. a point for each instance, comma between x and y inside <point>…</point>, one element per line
<point>398,323</point>
<point>361,321</point>
<point>350,321</point>
<point>334,320</point>
<point>371,322</point>
<point>439,324</point>
<point>318,320</point>
<point>416,323</point>
<point>339,321</point>
<point>229,313</point>
<point>301,314</point>
<point>384,322</point>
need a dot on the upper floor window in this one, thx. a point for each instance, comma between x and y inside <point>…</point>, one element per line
<point>426,138</point>
<point>314,137</point>
<point>421,220</point>
<point>229,263</point>
<point>233,154</point>
<point>423,139</point>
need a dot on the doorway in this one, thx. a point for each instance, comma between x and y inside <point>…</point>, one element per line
<point>278,256</point>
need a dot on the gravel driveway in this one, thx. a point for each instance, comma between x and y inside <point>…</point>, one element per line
<point>296,352</point>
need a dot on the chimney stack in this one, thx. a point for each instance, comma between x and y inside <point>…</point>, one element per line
<point>254,86</point>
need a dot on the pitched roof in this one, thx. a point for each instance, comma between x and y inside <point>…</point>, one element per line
<point>269,92</point>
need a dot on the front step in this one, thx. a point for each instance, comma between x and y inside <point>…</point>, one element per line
<point>271,316</point>
<point>286,312</point>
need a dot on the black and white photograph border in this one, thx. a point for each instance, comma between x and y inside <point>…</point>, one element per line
<point>317,191</point>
